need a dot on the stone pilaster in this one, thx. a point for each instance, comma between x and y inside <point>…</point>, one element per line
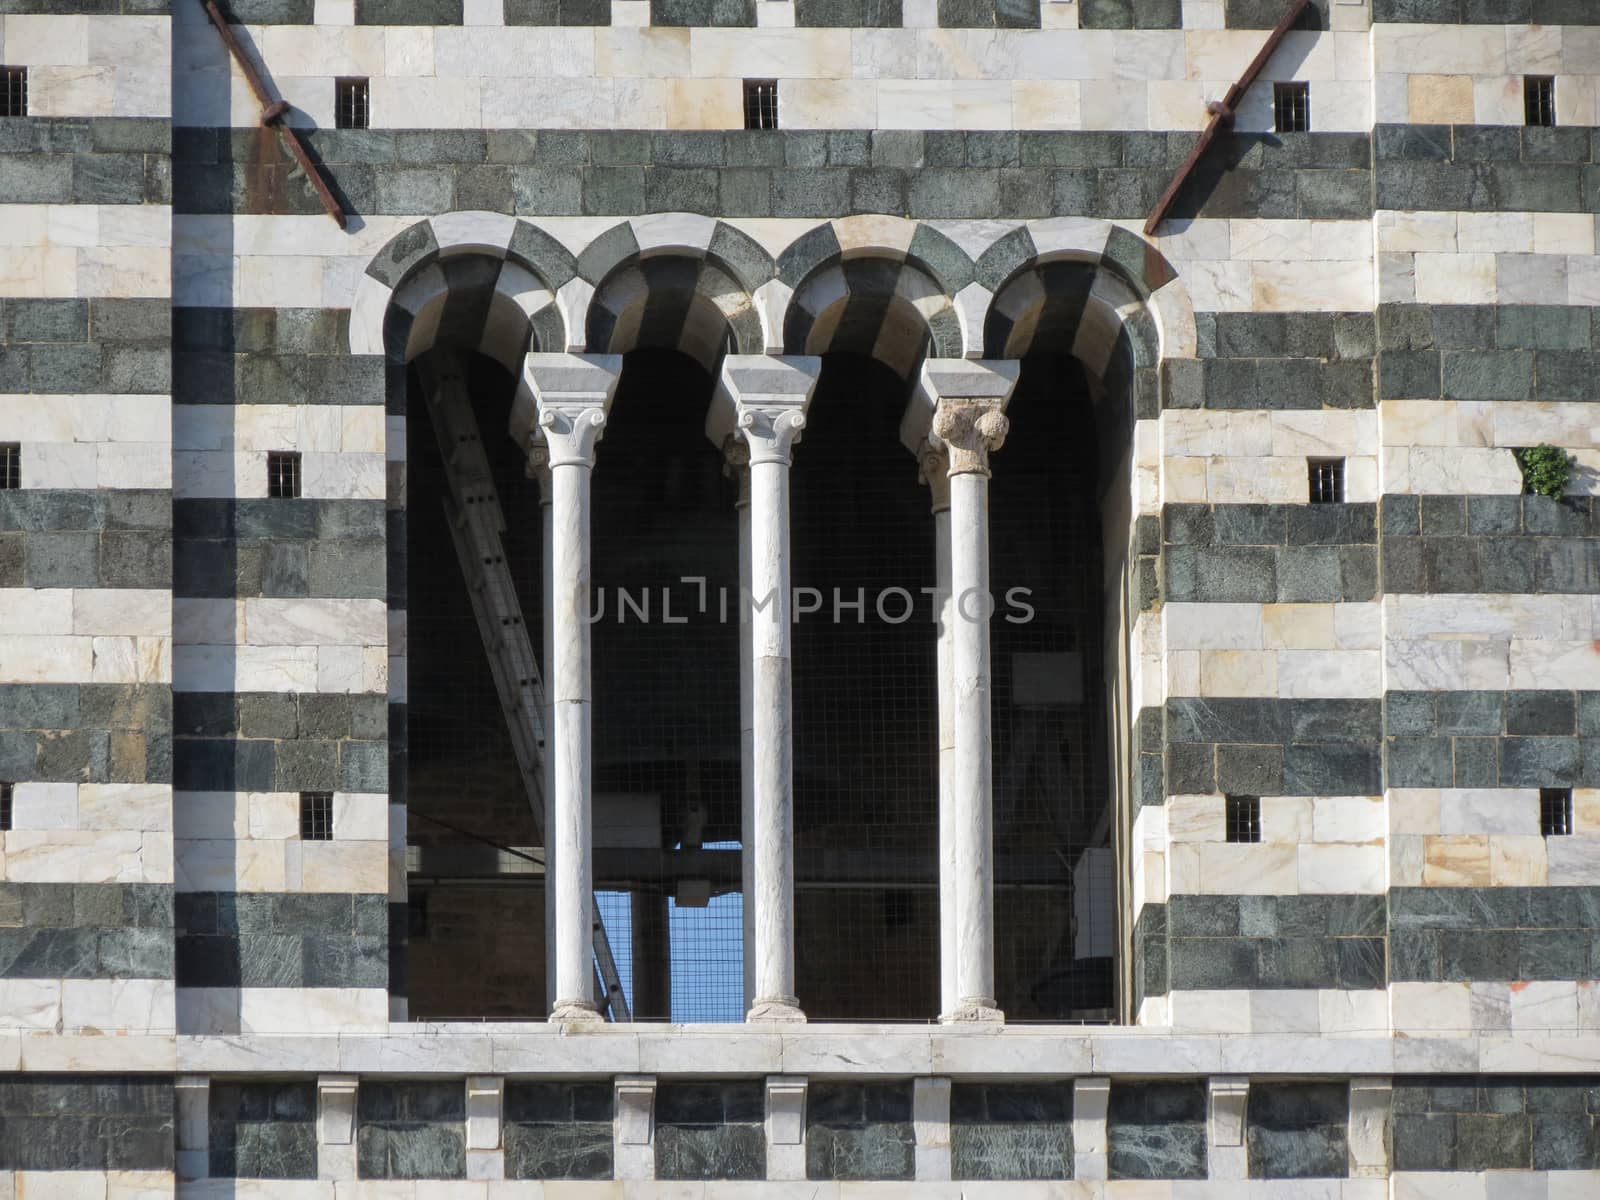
<point>930,1118</point>
<point>634,1127</point>
<point>786,1127</point>
<point>486,1158</point>
<point>1226,1097</point>
<point>336,1127</point>
<point>1091,1100</point>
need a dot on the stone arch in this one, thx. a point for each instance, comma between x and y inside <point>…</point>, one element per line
<point>882,307</point>
<point>485,280</point>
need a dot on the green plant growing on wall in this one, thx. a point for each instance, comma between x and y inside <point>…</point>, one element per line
<point>1546,470</point>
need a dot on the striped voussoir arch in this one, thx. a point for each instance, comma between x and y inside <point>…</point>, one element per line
<point>675,281</point>
<point>877,286</point>
<point>1080,291</point>
<point>472,281</point>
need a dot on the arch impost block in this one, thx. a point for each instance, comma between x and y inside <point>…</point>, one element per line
<point>763,397</point>
<point>566,398</point>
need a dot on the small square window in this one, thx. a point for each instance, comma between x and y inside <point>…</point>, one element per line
<point>5,805</point>
<point>283,474</point>
<point>1555,811</point>
<point>351,107</point>
<point>1539,99</point>
<point>316,816</point>
<point>1291,107</point>
<point>1243,818</point>
<point>1327,480</point>
<point>760,103</point>
<point>10,466</point>
<point>13,91</point>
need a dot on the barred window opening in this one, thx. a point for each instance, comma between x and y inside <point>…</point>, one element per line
<point>13,91</point>
<point>760,103</point>
<point>1555,812</point>
<point>1244,818</point>
<point>352,106</point>
<point>316,816</point>
<point>10,466</point>
<point>1539,100</point>
<point>1327,480</point>
<point>283,474</point>
<point>1291,107</point>
<point>5,805</point>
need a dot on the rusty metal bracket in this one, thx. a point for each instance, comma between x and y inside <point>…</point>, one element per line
<point>1222,113</point>
<point>273,113</point>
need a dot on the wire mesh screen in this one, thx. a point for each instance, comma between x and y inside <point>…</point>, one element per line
<point>484,953</point>
<point>866,789</point>
<point>666,692</point>
<point>1054,897</point>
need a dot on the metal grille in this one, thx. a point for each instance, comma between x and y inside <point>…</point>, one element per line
<point>5,805</point>
<point>352,108</point>
<point>1055,919</point>
<point>316,816</point>
<point>1327,480</point>
<point>283,474</point>
<point>1291,107</point>
<point>1555,811</point>
<point>1243,818</point>
<point>13,91</point>
<point>866,754</point>
<point>10,466</point>
<point>1539,99</point>
<point>760,104</point>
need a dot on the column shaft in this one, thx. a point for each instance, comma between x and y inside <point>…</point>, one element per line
<point>973,799</point>
<point>772,738</point>
<point>747,744</point>
<point>572,742</point>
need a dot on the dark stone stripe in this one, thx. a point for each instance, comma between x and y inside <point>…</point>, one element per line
<point>408,12</point>
<point>1273,383</point>
<point>556,12</point>
<point>1496,1122</point>
<point>1486,168</point>
<point>1499,544</point>
<point>1010,1130</point>
<point>86,931</point>
<point>1269,553</point>
<point>79,538</point>
<point>849,14</point>
<point>1456,935</point>
<point>798,173</point>
<point>1265,14</point>
<point>860,1131</point>
<point>280,742</point>
<point>269,12</point>
<point>558,1130</point>
<point>270,356</point>
<point>1146,555</point>
<point>704,13</point>
<point>1514,739</point>
<point>1298,1130</point>
<point>411,1130</point>
<point>710,1131</point>
<point>1488,352</point>
<point>1146,739</point>
<point>1273,747</point>
<point>1485,12</point>
<point>292,939</point>
<point>1130,14</point>
<point>990,14</point>
<point>1150,962</point>
<point>87,1122</point>
<point>1157,1130</point>
<point>291,548</point>
<point>1332,336</point>
<point>94,8</point>
<point>86,732</point>
<point>86,160</point>
<point>84,346</point>
<point>263,1129</point>
<point>1276,942</point>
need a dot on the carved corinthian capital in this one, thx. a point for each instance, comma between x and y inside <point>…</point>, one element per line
<point>538,468</point>
<point>933,469</point>
<point>969,430</point>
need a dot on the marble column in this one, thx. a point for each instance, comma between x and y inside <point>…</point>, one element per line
<point>572,394</point>
<point>737,454</point>
<point>969,423</point>
<point>764,400</point>
<point>935,473</point>
<point>539,471</point>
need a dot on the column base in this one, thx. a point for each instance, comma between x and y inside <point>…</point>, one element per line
<point>574,1012</point>
<point>780,1008</point>
<point>974,1012</point>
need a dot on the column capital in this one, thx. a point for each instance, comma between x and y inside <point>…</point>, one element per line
<point>763,397</point>
<point>933,470</point>
<point>562,404</point>
<point>974,392</point>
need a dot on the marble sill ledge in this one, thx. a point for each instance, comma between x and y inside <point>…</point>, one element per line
<point>689,1051</point>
